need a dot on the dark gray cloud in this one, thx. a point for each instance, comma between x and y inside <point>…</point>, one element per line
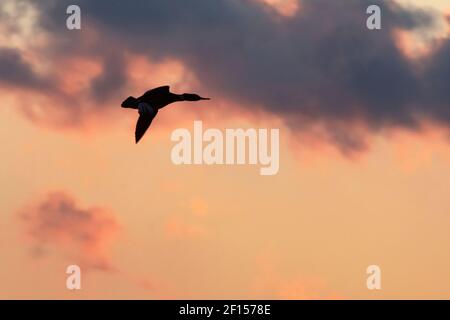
<point>321,65</point>
<point>14,70</point>
<point>111,79</point>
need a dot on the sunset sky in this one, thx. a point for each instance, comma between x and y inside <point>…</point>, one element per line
<point>364,120</point>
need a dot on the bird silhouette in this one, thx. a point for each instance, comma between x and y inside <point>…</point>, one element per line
<point>149,104</point>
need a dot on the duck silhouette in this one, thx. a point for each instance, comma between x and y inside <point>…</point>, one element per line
<point>149,104</point>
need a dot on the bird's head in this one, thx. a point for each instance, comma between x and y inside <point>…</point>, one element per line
<point>193,97</point>
<point>130,102</point>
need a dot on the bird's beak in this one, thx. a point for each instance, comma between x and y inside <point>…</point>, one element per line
<point>201,98</point>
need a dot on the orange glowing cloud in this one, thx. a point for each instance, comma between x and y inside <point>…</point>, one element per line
<point>176,227</point>
<point>416,45</point>
<point>286,8</point>
<point>77,74</point>
<point>144,74</point>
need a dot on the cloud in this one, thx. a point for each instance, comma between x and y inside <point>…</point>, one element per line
<point>182,228</point>
<point>269,282</point>
<point>320,65</point>
<point>84,235</point>
<point>285,8</point>
<point>15,71</point>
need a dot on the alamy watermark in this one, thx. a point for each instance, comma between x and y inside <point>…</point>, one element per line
<point>373,281</point>
<point>73,281</point>
<point>234,146</point>
<point>73,21</point>
<point>373,22</point>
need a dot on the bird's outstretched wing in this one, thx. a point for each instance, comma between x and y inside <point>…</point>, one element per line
<point>163,90</point>
<point>142,125</point>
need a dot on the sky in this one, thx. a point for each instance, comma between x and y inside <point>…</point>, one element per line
<point>364,150</point>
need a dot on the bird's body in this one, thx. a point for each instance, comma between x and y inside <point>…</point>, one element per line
<point>150,102</point>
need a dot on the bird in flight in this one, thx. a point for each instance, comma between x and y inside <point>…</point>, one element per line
<point>149,104</point>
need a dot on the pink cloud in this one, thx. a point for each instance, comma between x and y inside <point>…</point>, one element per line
<point>85,235</point>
